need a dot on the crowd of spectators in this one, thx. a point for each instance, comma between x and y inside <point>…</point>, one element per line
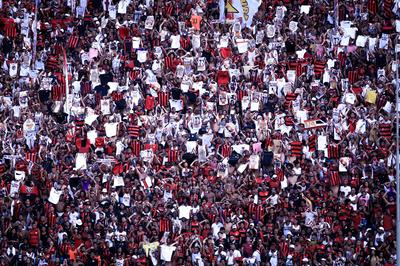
<point>140,132</point>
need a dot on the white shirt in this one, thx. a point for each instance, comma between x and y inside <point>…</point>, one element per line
<point>175,41</point>
<point>346,190</point>
<point>120,236</point>
<point>111,129</point>
<point>196,257</point>
<point>216,227</point>
<point>274,258</point>
<point>184,212</point>
<point>166,252</point>
<point>73,217</point>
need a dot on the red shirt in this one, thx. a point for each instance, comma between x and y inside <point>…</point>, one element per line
<point>79,144</point>
<point>387,222</point>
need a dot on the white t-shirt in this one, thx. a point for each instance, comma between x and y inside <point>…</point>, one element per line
<point>111,129</point>
<point>184,212</point>
<point>120,236</point>
<point>196,257</point>
<point>196,41</point>
<point>346,190</point>
<point>73,216</point>
<point>353,198</point>
<point>216,227</point>
<point>142,56</point>
<point>126,200</point>
<point>274,258</point>
<point>175,41</point>
<point>166,252</point>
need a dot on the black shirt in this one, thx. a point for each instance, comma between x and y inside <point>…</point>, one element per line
<point>105,78</point>
<point>102,89</point>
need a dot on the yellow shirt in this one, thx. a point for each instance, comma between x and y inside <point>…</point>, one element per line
<point>150,247</point>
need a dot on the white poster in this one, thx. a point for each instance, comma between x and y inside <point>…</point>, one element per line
<point>241,10</point>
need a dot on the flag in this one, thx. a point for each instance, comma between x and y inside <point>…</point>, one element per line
<point>221,11</point>
<point>242,10</point>
<point>147,182</point>
<point>65,70</point>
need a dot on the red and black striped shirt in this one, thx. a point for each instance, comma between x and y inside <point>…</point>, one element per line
<point>312,143</point>
<point>334,178</point>
<point>58,92</point>
<point>133,131</point>
<point>31,156</point>
<point>135,146</point>
<point>73,41</point>
<point>10,28</point>
<point>185,42</point>
<point>163,98</point>
<point>52,62</point>
<point>333,151</point>
<point>372,7</point>
<point>352,75</point>
<point>296,148</point>
<point>387,8</point>
<point>172,155</point>
<point>225,150</point>
<point>319,67</point>
<point>165,225</point>
<point>134,74</point>
<point>385,130</point>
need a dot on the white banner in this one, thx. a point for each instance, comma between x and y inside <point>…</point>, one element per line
<point>241,10</point>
